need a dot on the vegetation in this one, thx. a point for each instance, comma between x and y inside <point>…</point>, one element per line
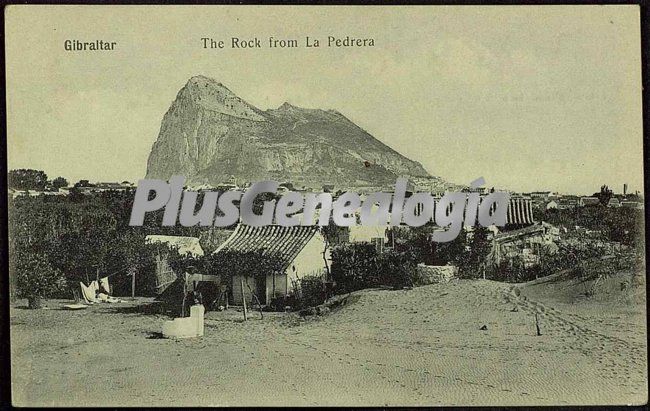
<point>621,225</point>
<point>36,278</point>
<point>604,195</point>
<point>28,179</point>
<point>358,265</point>
<point>310,292</point>
<point>57,241</point>
<point>468,251</point>
<point>59,182</point>
<point>80,237</point>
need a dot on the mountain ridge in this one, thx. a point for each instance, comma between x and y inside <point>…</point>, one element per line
<point>210,135</point>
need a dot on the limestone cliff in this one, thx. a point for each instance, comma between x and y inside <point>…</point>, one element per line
<point>210,136</point>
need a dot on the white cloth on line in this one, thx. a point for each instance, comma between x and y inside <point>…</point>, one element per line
<point>88,293</point>
<point>104,285</point>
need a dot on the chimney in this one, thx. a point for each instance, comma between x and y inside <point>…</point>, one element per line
<point>624,188</point>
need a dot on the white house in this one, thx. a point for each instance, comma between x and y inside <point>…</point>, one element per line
<point>184,245</point>
<point>302,249</point>
<point>551,205</point>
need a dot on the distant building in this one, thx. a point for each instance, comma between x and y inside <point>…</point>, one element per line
<point>541,195</point>
<point>588,201</point>
<point>528,244</point>
<point>376,235</point>
<point>200,187</point>
<point>222,187</point>
<point>614,202</point>
<point>566,203</point>
<point>13,193</point>
<point>632,204</point>
<point>106,186</point>
<point>184,245</point>
<point>552,205</point>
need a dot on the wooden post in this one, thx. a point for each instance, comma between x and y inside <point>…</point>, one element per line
<point>184,295</point>
<point>537,325</point>
<point>243,297</point>
<point>133,284</point>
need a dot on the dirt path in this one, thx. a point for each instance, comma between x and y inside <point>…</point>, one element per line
<point>417,347</point>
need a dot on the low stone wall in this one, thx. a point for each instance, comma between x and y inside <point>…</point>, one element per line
<point>433,274</point>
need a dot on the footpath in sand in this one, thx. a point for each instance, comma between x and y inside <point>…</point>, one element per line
<point>422,346</point>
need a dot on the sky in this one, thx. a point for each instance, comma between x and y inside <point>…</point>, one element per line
<point>529,97</point>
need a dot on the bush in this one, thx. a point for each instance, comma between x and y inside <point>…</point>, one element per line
<point>515,272</point>
<point>622,225</point>
<point>358,266</point>
<point>36,278</point>
<point>397,269</point>
<point>309,292</point>
<point>354,267</point>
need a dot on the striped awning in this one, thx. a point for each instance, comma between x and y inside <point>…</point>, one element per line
<point>520,212</point>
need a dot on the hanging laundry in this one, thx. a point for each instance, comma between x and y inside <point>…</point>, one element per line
<point>94,285</point>
<point>88,293</point>
<point>104,285</point>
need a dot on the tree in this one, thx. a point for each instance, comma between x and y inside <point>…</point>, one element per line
<point>83,183</point>
<point>416,240</point>
<point>453,252</point>
<point>358,265</point>
<point>354,267</point>
<point>59,182</point>
<point>27,179</point>
<point>35,277</point>
<point>604,195</point>
<point>397,269</point>
<point>479,248</point>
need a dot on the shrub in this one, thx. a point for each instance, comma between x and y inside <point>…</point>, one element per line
<point>309,292</point>
<point>358,266</point>
<point>515,272</point>
<point>354,266</point>
<point>36,278</point>
<point>397,269</point>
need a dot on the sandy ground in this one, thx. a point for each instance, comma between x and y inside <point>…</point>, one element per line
<point>410,347</point>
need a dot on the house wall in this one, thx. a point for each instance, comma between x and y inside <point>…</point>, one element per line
<point>281,287</point>
<point>362,233</point>
<point>237,291</point>
<point>309,262</point>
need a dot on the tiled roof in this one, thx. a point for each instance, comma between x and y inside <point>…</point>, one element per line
<point>286,242</point>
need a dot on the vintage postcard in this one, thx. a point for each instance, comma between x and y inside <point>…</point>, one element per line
<point>325,205</point>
